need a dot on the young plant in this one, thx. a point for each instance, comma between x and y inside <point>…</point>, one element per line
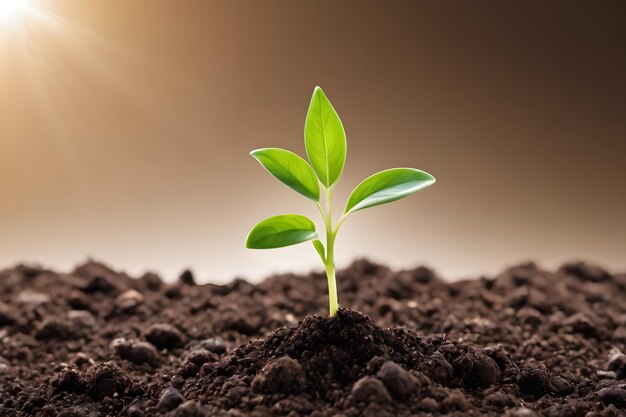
<point>325,143</point>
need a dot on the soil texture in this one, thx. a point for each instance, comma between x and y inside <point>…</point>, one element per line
<point>526,342</point>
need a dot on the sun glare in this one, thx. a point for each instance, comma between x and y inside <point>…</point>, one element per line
<point>12,9</point>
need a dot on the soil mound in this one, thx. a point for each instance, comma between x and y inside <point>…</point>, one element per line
<point>348,364</point>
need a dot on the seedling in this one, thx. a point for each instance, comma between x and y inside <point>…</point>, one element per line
<point>325,143</point>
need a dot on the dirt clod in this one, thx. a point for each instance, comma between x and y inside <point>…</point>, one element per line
<point>397,380</point>
<point>283,375</point>
<point>477,370</point>
<point>69,380</point>
<point>105,380</point>
<point>55,328</point>
<point>615,395</point>
<point>533,381</point>
<point>192,409</point>
<point>164,336</point>
<point>187,278</point>
<point>136,352</point>
<point>201,356</point>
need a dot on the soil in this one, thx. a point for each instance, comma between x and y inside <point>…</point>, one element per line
<point>524,343</point>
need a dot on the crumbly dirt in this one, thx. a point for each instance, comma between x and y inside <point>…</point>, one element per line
<point>527,342</point>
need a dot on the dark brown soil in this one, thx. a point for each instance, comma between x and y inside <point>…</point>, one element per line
<point>525,343</point>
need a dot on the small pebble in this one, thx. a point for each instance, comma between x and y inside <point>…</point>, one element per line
<point>214,344</point>
<point>32,297</point>
<point>129,300</point>
<point>368,389</point>
<point>521,412</point>
<point>617,364</point>
<point>170,399</point>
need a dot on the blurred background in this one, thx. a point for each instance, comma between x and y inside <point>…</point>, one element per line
<point>125,128</point>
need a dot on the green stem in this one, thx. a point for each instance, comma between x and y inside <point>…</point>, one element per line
<point>332,290</point>
<point>329,262</point>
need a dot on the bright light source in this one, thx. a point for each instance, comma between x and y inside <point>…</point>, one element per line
<point>11,9</point>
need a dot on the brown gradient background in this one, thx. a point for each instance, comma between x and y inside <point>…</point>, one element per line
<point>125,128</point>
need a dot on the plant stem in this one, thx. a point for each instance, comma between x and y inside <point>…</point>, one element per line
<point>329,262</point>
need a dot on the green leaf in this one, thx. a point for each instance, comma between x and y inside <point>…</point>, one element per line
<point>319,247</point>
<point>289,169</point>
<point>324,139</point>
<point>279,231</point>
<point>387,186</point>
